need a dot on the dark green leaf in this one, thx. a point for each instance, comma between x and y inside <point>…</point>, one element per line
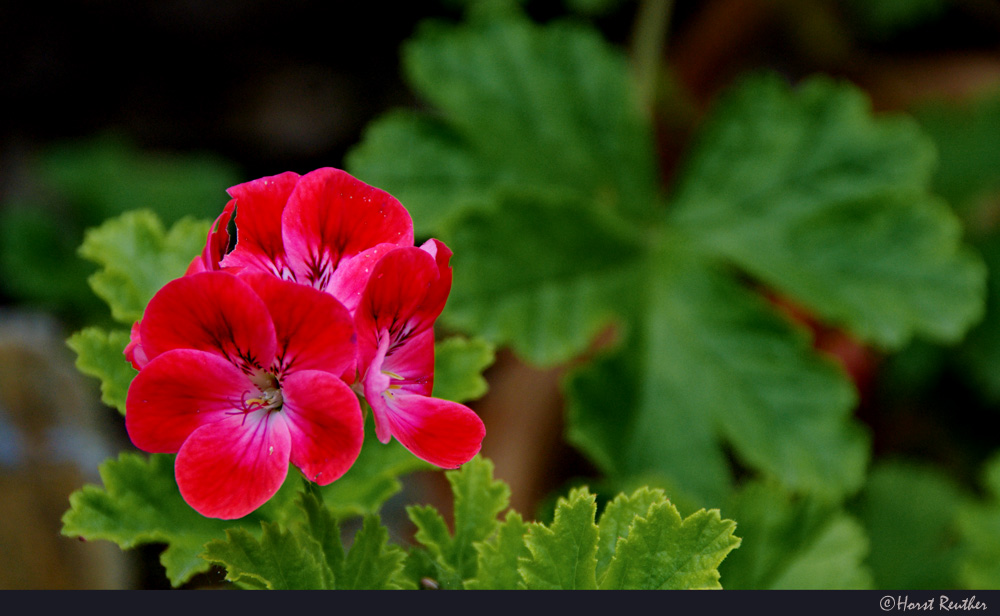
<point>810,193</point>
<point>794,542</point>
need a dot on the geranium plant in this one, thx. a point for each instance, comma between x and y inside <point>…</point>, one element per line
<point>268,353</point>
<point>283,367</point>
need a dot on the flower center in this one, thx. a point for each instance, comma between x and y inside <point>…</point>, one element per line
<point>269,396</point>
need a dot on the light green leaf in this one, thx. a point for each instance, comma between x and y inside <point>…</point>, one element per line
<point>478,501</point>
<point>664,552</point>
<point>564,555</point>
<point>99,354</point>
<point>371,563</point>
<point>138,257</point>
<point>140,504</point>
<point>542,274</point>
<point>499,558</point>
<point>522,105</point>
<point>793,542</point>
<point>458,366</point>
<point>909,512</point>
<point>979,532</point>
<point>712,363</point>
<point>809,192</point>
<point>617,519</point>
<point>279,560</point>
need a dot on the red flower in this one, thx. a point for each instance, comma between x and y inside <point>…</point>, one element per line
<point>405,293</point>
<point>241,379</point>
<point>324,229</point>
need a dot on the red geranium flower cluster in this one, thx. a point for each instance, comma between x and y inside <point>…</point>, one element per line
<point>256,358</point>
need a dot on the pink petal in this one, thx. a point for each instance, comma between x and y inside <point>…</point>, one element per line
<point>325,422</point>
<point>259,206</point>
<point>178,392</point>
<point>331,215</point>
<point>210,311</point>
<point>444,433</point>
<point>231,467</point>
<point>314,330</point>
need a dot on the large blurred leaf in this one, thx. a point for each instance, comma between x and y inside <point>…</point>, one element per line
<point>909,512</point>
<point>810,193</point>
<point>522,105</point>
<point>794,542</point>
<point>715,363</point>
<point>541,274</point>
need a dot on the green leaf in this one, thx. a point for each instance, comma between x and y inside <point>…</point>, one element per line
<point>564,555</point>
<point>499,558</point>
<point>522,105</point>
<point>909,512</point>
<point>478,501</point>
<point>138,257</point>
<point>140,504</point>
<point>458,366</point>
<point>714,363</point>
<point>542,274</point>
<point>811,194</point>
<point>99,354</point>
<point>794,542</point>
<point>979,532</point>
<point>371,563</point>
<point>279,560</point>
<point>322,527</point>
<point>663,552</point>
<point>616,522</point>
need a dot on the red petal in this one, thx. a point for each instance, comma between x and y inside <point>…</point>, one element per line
<point>331,215</point>
<point>444,433</point>
<point>325,422</point>
<point>231,467</point>
<point>133,351</point>
<point>178,392</point>
<point>259,206</point>
<point>404,296</point>
<point>210,311</point>
<point>313,330</point>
